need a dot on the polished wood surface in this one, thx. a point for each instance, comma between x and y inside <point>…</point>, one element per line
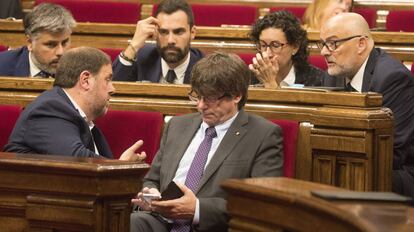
<point>345,139</point>
<point>208,39</point>
<point>272,204</point>
<point>58,193</point>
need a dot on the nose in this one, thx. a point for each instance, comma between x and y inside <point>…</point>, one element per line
<point>201,104</point>
<point>59,50</point>
<point>111,88</point>
<point>344,6</point>
<point>325,51</point>
<point>171,38</point>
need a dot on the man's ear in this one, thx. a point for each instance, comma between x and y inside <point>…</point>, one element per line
<point>29,43</point>
<point>193,32</point>
<point>85,80</point>
<point>362,44</point>
<point>237,99</point>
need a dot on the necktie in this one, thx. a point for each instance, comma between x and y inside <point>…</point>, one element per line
<point>349,88</point>
<point>44,74</point>
<point>195,173</point>
<point>171,76</point>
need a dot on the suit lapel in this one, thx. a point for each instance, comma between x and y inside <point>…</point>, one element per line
<point>186,137</point>
<point>369,70</point>
<point>234,134</point>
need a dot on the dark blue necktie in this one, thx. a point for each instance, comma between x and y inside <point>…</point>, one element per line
<point>171,76</point>
<point>44,74</point>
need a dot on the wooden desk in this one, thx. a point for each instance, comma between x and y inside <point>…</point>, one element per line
<point>208,39</point>
<point>269,204</point>
<point>345,139</point>
<point>58,193</point>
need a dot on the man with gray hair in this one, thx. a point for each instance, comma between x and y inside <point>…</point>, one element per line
<point>60,120</point>
<point>47,28</point>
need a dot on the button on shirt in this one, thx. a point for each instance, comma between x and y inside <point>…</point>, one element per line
<point>189,154</point>
<point>83,115</point>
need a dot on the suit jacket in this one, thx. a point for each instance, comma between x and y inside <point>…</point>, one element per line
<point>148,66</point>
<point>15,62</point>
<point>52,125</point>
<point>388,76</point>
<point>309,76</point>
<point>252,147</point>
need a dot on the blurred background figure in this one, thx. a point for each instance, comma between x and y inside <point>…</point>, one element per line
<point>282,58</point>
<point>10,8</point>
<point>321,10</point>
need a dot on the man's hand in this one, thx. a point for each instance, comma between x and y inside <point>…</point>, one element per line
<point>130,154</point>
<point>145,29</point>
<point>265,69</point>
<point>181,208</point>
<point>139,200</point>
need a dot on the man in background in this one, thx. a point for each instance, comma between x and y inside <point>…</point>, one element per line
<point>171,59</point>
<point>354,63</point>
<point>199,151</point>
<point>60,120</point>
<point>47,28</point>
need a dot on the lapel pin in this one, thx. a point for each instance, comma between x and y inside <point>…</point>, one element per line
<point>237,133</point>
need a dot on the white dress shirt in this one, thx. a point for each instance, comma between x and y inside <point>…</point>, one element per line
<point>356,81</point>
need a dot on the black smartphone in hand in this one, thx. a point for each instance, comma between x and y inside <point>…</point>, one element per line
<point>171,192</point>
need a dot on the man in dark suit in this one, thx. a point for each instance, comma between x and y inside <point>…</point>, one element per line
<point>171,59</point>
<point>354,62</point>
<point>240,145</point>
<point>60,120</point>
<point>48,28</point>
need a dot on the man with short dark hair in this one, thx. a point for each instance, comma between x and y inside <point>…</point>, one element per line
<point>48,28</point>
<point>199,151</point>
<point>171,60</point>
<point>354,62</point>
<point>60,120</point>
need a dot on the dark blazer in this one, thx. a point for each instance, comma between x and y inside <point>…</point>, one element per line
<point>52,125</point>
<point>148,66</point>
<point>252,147</point>
<point>309,76</point>
<point>15,62</point>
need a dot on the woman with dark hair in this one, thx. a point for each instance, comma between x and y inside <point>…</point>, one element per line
<point>282,52</point>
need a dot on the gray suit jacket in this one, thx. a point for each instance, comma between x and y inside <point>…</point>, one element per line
<point>252,147</point>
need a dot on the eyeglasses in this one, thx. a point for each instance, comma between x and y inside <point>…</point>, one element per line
<point>211,99</point>
<point>274,46</point>
<point>332,45</point>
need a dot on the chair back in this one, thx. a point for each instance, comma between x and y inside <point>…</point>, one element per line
<point>100,11</point>
<point>400,20</point>
<point>8,117</point>
<point>124,128</point>
<point>369,14</point>
<point>112,52</point>
<point>3,48</point>
<point>290,138</point>
<point>318,61</point>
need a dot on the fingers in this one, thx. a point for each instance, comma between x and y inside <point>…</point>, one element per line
<point>130,155</point>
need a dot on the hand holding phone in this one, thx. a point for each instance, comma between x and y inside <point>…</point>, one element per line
<point>171,192</point>
<point>148,197</point>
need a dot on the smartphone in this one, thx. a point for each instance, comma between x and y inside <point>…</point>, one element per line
<point>148,197</point>
<point>171,192</point>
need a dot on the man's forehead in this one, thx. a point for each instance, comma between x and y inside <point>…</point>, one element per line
<point>57,36</point>
<point>174,20</point>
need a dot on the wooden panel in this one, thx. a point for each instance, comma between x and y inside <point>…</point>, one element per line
<point>58,193</point>
<point>288,204</point>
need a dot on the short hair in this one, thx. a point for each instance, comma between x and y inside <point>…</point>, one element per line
<point>172,6</point>
<point>221,73</point>
<point>77,60</point>
<point>295,34</point>
<point>48,17</point>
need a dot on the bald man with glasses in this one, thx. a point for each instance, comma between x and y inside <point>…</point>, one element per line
<point>354,63</point>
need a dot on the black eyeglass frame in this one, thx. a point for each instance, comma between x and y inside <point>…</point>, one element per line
<point>334,43</point>
<point>271,45</point>
<point>196,98</point>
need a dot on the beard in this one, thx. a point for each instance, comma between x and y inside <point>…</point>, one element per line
<point>172,54</point>
<point>43,66</point>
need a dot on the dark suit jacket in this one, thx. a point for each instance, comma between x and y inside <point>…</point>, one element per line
<point>148,66</point>
<point>252,147</point>
<point>309,76</point>
<point>52,125</point>
<point>388,76</point>
<point>15,62</point>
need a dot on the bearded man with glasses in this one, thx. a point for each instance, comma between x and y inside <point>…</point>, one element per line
<point>199,151</point>
<point>354,63</point>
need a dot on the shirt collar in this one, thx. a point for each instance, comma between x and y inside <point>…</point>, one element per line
<point>356,81</point>
<point>34,70</point>
<point>221,128</point>
<point>179,70</point>
<point>290,78</point>
<point>82,114</point>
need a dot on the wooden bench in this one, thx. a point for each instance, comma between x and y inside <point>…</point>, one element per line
<point>208,39</point>
<point>345,139</point>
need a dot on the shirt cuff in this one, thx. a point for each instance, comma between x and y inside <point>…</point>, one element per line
<point>196,218</point>
<point>124,62</point>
